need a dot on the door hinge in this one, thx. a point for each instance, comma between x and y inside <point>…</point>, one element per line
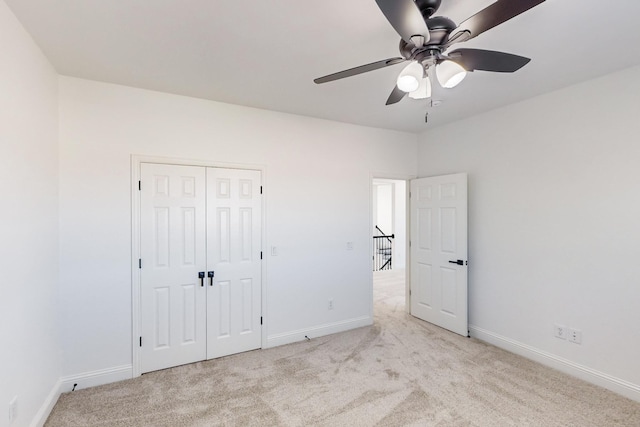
<point>140,341</point>
<point>139,185</point>
<point>409,194</point>
<point>261,320</point>
<point>260,254</point>
<point>261,189</point>
<point>409,292</point>
<point>139,262</point>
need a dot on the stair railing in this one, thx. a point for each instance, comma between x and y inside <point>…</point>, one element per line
<point>382,250</point>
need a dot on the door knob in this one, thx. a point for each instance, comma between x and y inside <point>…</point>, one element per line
<point>459,262</point>
<point>210,274</point>
<point>201,277</point>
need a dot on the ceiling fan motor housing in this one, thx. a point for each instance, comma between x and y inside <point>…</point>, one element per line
<point>428,7</point>
<point>439,30</point>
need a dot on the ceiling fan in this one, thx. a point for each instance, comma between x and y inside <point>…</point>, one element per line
<point>425,39</point>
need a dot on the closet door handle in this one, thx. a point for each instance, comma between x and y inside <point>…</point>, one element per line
<point>201,277</point>
<point>210,274</point>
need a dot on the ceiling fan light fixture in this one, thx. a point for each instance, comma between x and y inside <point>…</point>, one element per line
<point>409,78</point>
<point>423,91</point>
<point>450,74</point>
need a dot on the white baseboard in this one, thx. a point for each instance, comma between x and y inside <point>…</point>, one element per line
<point>625,388</point>
<point>84,380</point>
<point>318,331</point>
<point>47,406</point>
<point>95,378</point>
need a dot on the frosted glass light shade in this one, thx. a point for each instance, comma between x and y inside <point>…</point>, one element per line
<point>450,74</point>
<point>423,91</point>
<point>410,76</point>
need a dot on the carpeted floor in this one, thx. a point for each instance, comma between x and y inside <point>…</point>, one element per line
<point>398,372</point>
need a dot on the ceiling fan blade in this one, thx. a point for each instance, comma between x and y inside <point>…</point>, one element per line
<point>499,12</point>
<point>359,70</point>
<point>488,60</point>
<point>405,17</point>
<point>396,96</point>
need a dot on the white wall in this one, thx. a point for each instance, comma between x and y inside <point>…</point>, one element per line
<point>554,224</point>
<point>29,355</point>
<point>384,207</point>
<point>317,189</point>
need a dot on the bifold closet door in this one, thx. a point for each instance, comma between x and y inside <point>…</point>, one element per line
<point>234,221</point>
<point>173,253</point>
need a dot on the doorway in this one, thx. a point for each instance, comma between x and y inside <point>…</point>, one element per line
<point>389,215</point>
<point>432,283</point>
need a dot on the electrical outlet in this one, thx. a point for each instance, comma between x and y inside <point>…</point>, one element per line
<point>331,304</point>
<point>13,409</point>
<point>560,331</point>
<point>575,336</point>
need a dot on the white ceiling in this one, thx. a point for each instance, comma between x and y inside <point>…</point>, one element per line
<point>265,54</point>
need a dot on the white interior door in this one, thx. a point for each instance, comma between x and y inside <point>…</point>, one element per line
<point>172,243</point>
<point>439,251</point>
<point>234,256</point>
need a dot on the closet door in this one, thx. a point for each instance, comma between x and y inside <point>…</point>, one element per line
<point>173,253</point>
<point>234,221</point>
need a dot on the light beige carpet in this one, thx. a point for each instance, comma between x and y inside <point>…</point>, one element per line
<point>398,372</point>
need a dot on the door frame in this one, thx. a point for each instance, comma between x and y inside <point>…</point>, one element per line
<point>407,263</point>
<point>136,321</point>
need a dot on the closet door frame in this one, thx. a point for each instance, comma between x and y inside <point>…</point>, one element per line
<point>136,321</point>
